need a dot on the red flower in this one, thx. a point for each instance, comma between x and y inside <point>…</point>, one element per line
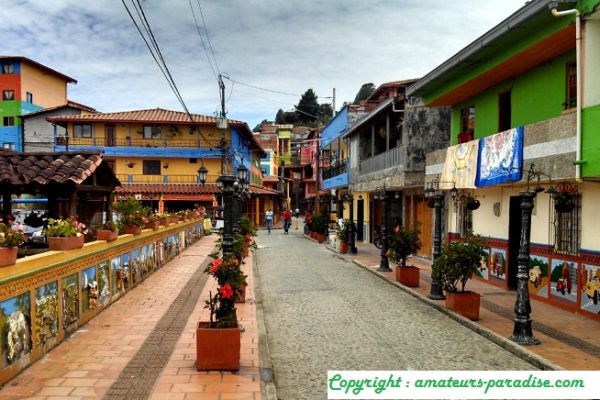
<point>214,268</point>
<point>217,262</point>
<point>226,291</point>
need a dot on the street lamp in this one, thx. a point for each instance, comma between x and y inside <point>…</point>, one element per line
<point>384,264</point>
<point>436,200</point>
<point>522,333</point>
<point>202,174</point>
<point>351,245</point>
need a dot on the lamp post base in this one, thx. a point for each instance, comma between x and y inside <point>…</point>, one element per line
<point>436,292</point>
<point>523,335</point>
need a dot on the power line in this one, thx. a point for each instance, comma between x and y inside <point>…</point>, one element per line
<point>202,41</point>
<point>207,36</point>
<point>267,90</point>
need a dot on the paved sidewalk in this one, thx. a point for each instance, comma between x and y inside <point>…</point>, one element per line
<point>568,340</point>
<point>87,364</point>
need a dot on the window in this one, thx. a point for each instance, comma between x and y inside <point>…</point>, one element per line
<point>82,130</point>
<point>8,95</point>
<point>152,132</point>
<point>8,121</point>
<point>151,167</point>
<point>8,68</point>
<point>504,111</point>
<point>467,124</point>
<point>8,145</point>
<point>29,97</point>
<point>464,216</point>
<point>566,228</point>
<point>571,96</point>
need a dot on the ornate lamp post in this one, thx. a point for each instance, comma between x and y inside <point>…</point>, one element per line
<point>242,174</point>
<point>384,264</point>
<point>433,193</point>
<point>522,333</point>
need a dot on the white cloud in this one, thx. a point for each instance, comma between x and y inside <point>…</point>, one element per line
<point>286,46</point>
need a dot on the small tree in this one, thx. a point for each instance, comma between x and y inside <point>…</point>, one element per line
<point>459,261</point>
<point>404,244</point>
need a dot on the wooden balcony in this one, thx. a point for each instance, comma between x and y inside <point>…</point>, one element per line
<point>136,142</point>
<point>128,179</point>
<point>390,159</point>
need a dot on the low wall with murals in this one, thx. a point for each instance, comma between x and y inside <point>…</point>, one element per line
<point>46,297</point>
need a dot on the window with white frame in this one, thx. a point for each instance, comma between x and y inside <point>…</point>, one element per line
<point>152,132</point>
<point>82,130</point>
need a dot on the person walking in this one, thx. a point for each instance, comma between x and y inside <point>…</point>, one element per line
<point>287,220</point>
<point>269,220</point>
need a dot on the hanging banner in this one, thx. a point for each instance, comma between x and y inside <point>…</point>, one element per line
<point>460,167</point>
<point>500,158</point>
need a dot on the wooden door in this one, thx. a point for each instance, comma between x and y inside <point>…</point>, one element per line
<point>424,219</point>
<point>109,135</point>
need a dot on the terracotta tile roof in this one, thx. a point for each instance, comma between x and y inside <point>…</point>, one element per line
<point>270,178</point>
<point>185,189</point>
<point>42,168</point>
<point>155,115</point>
<point>69,104</point>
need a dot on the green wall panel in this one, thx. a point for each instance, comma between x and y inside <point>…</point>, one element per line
<point>10,109</point>
<point>590,141</point>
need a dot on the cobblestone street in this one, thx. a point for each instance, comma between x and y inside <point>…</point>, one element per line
<point>322,313</point>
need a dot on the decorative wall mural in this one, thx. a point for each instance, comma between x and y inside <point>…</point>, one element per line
<point>538,275</point>
<point>70,300</point>
<point>590,286</point>
<point>15,328</point>
<point>498,264</point>
<point>485,263</point>
<point>126,270</point>
<point>117,276</point>
<point>103,283</point>
<point>564,280</point>
<point>169,248</point>
<point>89,289</point>
<point>143,264</point>
<point>135,266</point>
<point>150,257</point>
<point>46,312</point>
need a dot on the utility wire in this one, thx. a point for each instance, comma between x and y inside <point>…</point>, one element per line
<point>208,37</point>
<point>202,41</point>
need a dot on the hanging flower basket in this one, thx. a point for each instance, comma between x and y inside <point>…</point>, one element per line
<point>473,204</point>
<point>8,256</point>
<point>563,203</point>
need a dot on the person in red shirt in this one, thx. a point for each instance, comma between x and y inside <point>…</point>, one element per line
<point>287,220</point>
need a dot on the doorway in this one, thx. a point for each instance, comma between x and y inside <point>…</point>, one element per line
<point>360,219</point>
<point>514,240</point>
<point>109,133</point>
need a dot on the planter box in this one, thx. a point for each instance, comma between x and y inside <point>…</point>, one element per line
<point>107,235</point>
<point>320,237</point>
<point>245,250</point>
<point>173,220</point>
<point>217,349</point>
<point>241,294</point>
<point>153,225</point>
<point>465,304</point>
<point>65,243</point>
<point>8,256</point>
<point>164,222</point>
<point>408,276</point>
<point>343,247</point>
<point>132,229</point>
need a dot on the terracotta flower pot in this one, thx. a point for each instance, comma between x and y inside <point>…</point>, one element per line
<point>245,250</point>
<point>465,304</point>
<point>217,348</point>
<point>343,247</point>
<point>408,276</point>
<point>133,229</point>
<point>8,256</point>
<point>65,243</point>
<point>102,234</point>
<point>164,222</point>
<point>152,225</point>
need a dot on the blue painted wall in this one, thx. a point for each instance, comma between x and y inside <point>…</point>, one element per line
<point>11,134</point>
<point>336,181</point>
<point>335,128</point>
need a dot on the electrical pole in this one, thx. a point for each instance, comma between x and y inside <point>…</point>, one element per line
<point>317,172</point>
<point>333,103</point>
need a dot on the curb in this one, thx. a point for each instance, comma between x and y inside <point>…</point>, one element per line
<point>526,355</point>
<point>268,387</point>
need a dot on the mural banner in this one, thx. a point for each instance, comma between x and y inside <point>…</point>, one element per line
<point>500,158</point>
<point>460,167</point>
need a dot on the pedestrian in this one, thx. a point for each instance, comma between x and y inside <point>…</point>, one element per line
<point>287,220</point>
<point>269,220</point>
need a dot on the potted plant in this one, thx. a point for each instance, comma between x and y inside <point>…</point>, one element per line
<point>319,226</point>
<point>151,222</point>
<point>132,215</point>
<point>472,203</point>
<point>343,227</point>
<point>107,231</point>
<point>11,237</point>
<point>249,232</point>
<point>404,244</point>
<point>454,267</point>
<point>163,219</point>
<point>218,340</point>
<point>65,234</point>
<point>563,202</point>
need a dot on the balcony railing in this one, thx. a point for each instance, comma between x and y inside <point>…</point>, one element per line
<point>392,158</point>
<point>171,179</point>
<point>338,169</point>
<point>135,142</point>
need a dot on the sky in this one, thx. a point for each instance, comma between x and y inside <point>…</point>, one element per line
<point>284,46</point>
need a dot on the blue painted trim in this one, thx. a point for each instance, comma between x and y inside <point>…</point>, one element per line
<point>335,128</point>
<point>336,182</point>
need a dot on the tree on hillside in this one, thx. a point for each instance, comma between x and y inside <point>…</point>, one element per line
<point>364,92</point>
<point>264,121</point>
<point>308,107</point>
<point>286,117</point>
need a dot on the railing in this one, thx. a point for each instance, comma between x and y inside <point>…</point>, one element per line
<point>335,170</point>
<point>136,142</point>
<point>392,158</point>
<point>128,179</point>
